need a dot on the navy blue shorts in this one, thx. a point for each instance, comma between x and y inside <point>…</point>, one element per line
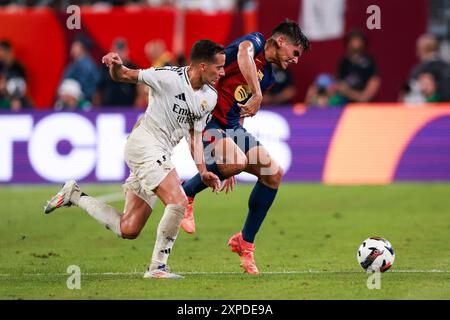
<point>214,132</point>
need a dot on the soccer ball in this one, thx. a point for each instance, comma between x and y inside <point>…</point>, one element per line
<point>375,255</point>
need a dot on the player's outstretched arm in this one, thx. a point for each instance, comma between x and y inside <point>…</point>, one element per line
<point>248,69</point>
<point>117,70</point>
<point>196,146</point>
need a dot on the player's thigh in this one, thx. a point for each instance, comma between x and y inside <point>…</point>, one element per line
<point>262,165</point>
<point>170,190</point>
<point>136,213</point>
<point>229,157</point>
<point>228,152</point>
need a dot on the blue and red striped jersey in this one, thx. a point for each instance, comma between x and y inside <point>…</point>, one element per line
<point>232,88</point>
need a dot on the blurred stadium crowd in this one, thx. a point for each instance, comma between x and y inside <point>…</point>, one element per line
<point>86,84</point>
<point>206,5</point>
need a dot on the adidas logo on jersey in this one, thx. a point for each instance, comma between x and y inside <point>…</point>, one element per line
<point>181,96</point>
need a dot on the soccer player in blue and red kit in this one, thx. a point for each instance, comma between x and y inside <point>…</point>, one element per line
<point>229,148</point>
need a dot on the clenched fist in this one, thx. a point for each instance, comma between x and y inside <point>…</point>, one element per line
<point>112,59</point>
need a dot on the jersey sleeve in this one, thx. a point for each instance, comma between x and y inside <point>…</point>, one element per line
<point>200,124</point>
<point>154,77</point>
<point>256,38</point>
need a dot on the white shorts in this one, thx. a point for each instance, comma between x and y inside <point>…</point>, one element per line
<point>149,162</point>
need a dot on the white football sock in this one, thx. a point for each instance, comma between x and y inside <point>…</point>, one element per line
<point>103,213</point>
<point>166,234</point>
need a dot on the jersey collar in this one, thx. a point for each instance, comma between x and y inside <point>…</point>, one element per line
<point>186,77</point>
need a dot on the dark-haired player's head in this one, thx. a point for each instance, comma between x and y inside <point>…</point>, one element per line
<point>355,42</point>
<point>5,50</point>
<point>5,45</point>
<point>289,42</point>
<point>209,58</point>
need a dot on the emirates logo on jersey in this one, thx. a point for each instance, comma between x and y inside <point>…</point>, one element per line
<point>184,115</point>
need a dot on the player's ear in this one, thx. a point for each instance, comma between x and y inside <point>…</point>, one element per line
<point>281,40</point>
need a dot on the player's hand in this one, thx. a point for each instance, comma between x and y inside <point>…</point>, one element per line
<point>211,180</point>
<point>342,88</point>
<point>112,59</point>
<point>251,107</point>
<point>229,184</point>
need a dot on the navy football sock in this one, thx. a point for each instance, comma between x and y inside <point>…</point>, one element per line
<point>259,203</point>
<point>196,185</point>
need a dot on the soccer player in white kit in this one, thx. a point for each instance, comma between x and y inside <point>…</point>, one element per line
<point>180,102</point>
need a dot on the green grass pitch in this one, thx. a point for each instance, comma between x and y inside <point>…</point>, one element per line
<point>306,249</point>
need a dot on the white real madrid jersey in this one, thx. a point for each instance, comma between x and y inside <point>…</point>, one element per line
<point>174,107</point>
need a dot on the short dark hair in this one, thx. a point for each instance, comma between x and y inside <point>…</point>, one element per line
<point>355,33</point>
<point>84,41</point>
<point>205,51</point>
<point>293,31</point>
<point>5,45</point>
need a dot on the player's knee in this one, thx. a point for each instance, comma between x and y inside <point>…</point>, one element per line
<point>129,231</point>
<point>241,165</point>
<point>241,161</point>
<point>274,179</point>
<point>278,176</point>
<point>228,170</point>
<point>182,202</point>
<point>130,235</point>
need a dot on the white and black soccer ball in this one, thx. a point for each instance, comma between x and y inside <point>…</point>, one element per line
<point>375,255</point>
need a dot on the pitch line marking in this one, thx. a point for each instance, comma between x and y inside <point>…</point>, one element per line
<point>111,197</point>
<point>223,273</point>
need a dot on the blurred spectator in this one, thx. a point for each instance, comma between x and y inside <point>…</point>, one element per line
<point>357,72</point>
<point>209,6</point>
<point>283,91</point>
<point>428,87</point>
<point>83,69</point>
<point>427,51</point>
<point>13,93</point>
<point>17,90</point>
<point>422,90</point>
<point>159,3</point>
<point>323,92</point>
<point>157,54</point>
<point>444,49</point>
<point>4,100</point>
<point>115,93</point>
<point>181,60</point>
<point>70,97</point>
<point>8,64</point>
